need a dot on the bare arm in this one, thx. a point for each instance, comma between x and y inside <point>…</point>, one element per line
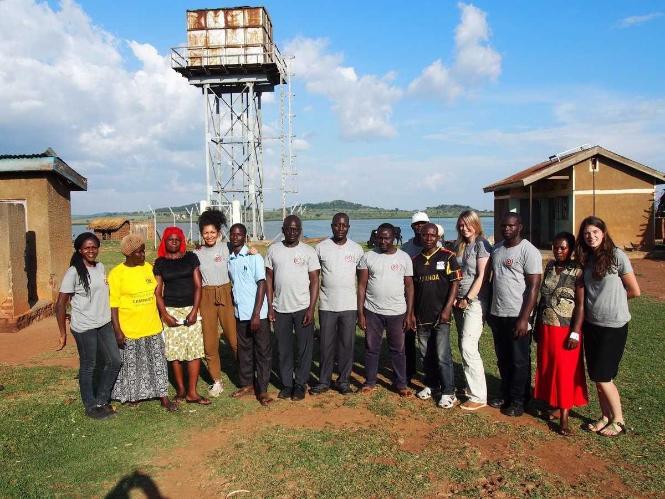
<point>191,317</point>
<point>578,312</point>
<point>478,282</point>
<point>630,283</point>
<point>255,321</point>
<point>363,277</point>
<point>528,304</point>
<point>447,310</point>
<point>409,319</point>
<point>61,317</point>
<point>269,293</point>
<point>313,296</point>
<point>119,335</point>
<point>168,319</point>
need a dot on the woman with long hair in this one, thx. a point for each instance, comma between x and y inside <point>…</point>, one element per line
<point>216,298</point>
<point>178,297</point>
<point>84,285</point>
<point>609,282</point>
<point>138,329</point>
<point>560,377</point>
<point>473,253</point>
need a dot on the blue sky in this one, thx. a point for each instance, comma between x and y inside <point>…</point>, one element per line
<point>396,106</point>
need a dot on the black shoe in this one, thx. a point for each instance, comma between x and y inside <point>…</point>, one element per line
<point>285,393</point>
<point>319,389</point>
<point>497,403</point>
<point>344,389</point>
<point>513,410</point>
<point>97,412</point>
<point>109,409</point>
<point>298,393</point>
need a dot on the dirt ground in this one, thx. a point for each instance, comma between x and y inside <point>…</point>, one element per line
<point>186,470</point>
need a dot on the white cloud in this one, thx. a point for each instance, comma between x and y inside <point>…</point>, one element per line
<point>474,61</point>
<point>362,103</point>
<point>629,22</point>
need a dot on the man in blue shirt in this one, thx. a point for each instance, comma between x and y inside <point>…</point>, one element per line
<point>247,272</point>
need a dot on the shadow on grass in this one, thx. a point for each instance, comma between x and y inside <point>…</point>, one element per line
<point>129,485</point>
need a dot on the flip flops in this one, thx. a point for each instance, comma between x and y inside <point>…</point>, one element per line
<point>616,429</point>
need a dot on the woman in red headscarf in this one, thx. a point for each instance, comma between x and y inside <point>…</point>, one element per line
<point>178,297</point>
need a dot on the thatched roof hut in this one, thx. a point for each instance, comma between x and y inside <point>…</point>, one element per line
<point>114,228</point>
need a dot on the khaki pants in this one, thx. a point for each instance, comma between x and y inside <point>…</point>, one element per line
<point>217,307</point>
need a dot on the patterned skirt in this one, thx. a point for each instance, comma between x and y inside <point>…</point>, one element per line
<point>143,374</point>
<point>183,342</point>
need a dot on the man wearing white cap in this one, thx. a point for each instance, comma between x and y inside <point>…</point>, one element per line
<point>412,248</point>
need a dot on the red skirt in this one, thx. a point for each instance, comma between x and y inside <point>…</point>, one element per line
<point>560,379</point>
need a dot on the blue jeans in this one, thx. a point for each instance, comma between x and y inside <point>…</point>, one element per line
<point>392,324</point>
<point>434,348</point>
<point>513,358</point>
<point>96,344</point>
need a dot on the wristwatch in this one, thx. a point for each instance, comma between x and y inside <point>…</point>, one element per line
<point>469,300</point>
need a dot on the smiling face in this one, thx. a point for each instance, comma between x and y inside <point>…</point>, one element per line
<point>468,232</point>
<point>210,235</point>
<point>561,250</point>
<point>136,257</point>
<point>89,251</point>
<point>593,236</point>
<point>429,235</point>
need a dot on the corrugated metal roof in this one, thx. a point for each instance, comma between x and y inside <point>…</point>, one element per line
<point>556,164</point>
<point>45,162</point>
<point>107,223</point>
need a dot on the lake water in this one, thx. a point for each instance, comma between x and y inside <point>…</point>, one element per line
<point>360,229</point>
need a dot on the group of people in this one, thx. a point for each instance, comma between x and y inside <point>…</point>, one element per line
<point>146,316</point>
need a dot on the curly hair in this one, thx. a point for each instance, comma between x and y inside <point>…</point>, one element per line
<point>212,217</point>
<point>77,261</point>
<point>602,258</point>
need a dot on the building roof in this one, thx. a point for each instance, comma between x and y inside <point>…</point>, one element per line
<point>46,162</point>
<point>107,223</point>
<point>560,162</point>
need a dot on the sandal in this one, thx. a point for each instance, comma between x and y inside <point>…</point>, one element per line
<point>170,407</point>
<point>367,389</point>
<point>596,426</point>
<point>614,429</point>
<point>200,401</point>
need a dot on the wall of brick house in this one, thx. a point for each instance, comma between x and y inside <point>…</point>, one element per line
<point>610,175</point>
<point>60,230</point>
<point>13,279</point>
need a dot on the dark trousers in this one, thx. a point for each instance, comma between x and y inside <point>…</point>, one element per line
<point>254,355</point>
<point>290,362</point>
<point>338,331</point>
<point>434,348</point>
<point>513,355</point>
<point>392,324</point>
<point>96,344</point>
<point>411,352</point>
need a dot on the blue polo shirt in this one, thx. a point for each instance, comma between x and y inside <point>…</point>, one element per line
<point>246,271</point>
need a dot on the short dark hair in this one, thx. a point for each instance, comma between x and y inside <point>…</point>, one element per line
<point>512,214</point>
<point>340,215</point>
<point>212,217</point>
<point>386,226</point>
<point>568,237</point>
<point>239,226</point>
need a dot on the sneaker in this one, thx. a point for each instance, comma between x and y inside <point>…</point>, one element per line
<point>285,393</point>
<point>513,410</point>
<point>472,406</point>
<point>298,393</point>
<point>344,389</point>
<point>497,403</point>
<point>319,389</point>
<point>425,393</point>
<point>447,401</point>
<point>216,389</point>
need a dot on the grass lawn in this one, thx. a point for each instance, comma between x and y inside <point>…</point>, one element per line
<point>397,448</point>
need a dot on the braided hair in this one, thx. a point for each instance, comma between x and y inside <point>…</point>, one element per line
<point>77,260</point>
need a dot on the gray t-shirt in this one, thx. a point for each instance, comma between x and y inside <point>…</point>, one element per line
<point>510,266</point>
<point>214,263</point>
<point>468,262</point>
<point>338,274</point>
<point>385,287</point>
<point>291,268</point>
<point>411,248</point>
<point>89,310</point>
<point>605,300</point>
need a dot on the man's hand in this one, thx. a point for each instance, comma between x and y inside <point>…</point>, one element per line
<point>362,322</point>
<point>255,323</point>
<point>409,322</point>
<point>309,316</point>
<point>521,328</point>
<point>62,341</point>
<point>271,315</point>
<point>444,317</point>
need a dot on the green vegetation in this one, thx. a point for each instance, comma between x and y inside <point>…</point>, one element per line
<point>396,448</point>
<point>307,211</point>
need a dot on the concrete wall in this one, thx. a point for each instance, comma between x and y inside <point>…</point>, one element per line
<point>13,278</point>
<point>48,236</point>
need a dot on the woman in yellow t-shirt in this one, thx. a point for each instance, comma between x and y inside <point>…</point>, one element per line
<point>138,328</point>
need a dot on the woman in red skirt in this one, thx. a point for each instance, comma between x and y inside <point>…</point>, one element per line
<point>560,379</point>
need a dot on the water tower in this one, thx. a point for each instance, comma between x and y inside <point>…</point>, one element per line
<point>231,56</point>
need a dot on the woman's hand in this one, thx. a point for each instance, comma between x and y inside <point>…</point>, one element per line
<point>572,341</point>
<point>461,303</point>
<point>120,339</point>
<point>191,318</point>
<point>170,321</point>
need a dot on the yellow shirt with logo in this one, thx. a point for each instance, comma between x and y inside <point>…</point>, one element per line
<point>133,294</point>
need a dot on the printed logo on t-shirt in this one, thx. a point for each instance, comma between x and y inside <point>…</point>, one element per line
<point>440,265</point>
<point>218,258</point>
<point>396,267</point>
<point>508,262</point>
<point>349,258</point>
<point>148,280</point>
<point>299,260</point>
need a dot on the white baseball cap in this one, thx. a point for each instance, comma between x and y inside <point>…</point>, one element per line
<point>440,230</point>
<point>419,216</point>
